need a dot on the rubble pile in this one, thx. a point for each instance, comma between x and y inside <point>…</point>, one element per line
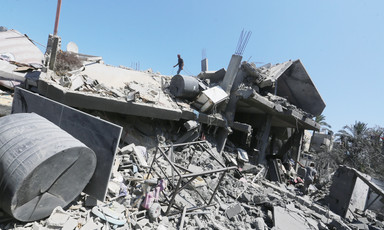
<point>250,202</point>
<point>138,191</point>
<point>216,151</point>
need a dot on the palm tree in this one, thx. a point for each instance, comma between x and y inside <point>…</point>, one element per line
<point>351,132</point>
<point>320,119</point>
<point>362,148</point>
<point>353,140</point>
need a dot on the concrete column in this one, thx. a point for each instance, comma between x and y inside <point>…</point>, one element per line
<point>264,138</point>
<point>54,45</point>
<point>230,110</point>
<point>231,73</point>
<point>204,65</point>
<point>221,137</point>
<point>297,146</point>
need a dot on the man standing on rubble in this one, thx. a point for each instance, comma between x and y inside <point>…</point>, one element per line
<point>180,63</point>
<point>310,176</point>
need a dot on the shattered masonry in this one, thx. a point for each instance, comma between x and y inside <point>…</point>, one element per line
<point>174,152</point>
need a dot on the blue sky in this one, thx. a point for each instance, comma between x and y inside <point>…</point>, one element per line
<point>339,42</point>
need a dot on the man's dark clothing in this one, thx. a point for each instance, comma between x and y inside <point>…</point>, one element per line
<point>180,63</point>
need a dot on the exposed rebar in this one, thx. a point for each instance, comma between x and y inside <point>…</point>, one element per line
<point>243,41</point>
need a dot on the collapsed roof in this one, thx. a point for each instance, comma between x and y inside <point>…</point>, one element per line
<point>289,94</point>
<point>15,46</point>
<point>294,84</point>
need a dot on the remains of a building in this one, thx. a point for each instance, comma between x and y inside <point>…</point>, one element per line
<point>172,152</point>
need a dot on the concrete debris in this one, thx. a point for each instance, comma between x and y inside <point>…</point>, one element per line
<point>58,218</point>
<point>233,210</point>
<point>216,151</point>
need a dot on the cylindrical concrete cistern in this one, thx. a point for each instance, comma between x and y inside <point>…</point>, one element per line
<point>41,166</point>
<point>184,87</point>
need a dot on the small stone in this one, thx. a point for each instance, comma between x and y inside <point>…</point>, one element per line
<point>233,210</point>
<point>260,224</point>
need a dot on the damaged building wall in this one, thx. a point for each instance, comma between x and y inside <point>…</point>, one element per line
<point>347,193</point>
<point>321,141</point>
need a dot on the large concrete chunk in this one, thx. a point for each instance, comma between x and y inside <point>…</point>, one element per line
<point>285,219</point>
<point>348,192</point>
<point>296,85</point>
<point>41,166</point>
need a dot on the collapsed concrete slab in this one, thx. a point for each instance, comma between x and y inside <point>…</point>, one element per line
<point>291,81</point>
<point>292,220</point>
<point>109,104</point>
<point>15,46</point>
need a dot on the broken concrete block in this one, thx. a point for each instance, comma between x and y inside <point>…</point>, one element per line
<point>127,149</point>
<point>114,188</point>
<point>161,227</point>
<point>90,225</point>
<point>115,168</point>
<point>58,218</point>
<point>70,224</point>
<point>233,210</point>
<point>140,152</point>
<point>359,226</point>
<point>370,215</point>
<point>260,224</point>
<point>37,226</point>
<point>191,125</point>
<point>117,93</point>
<point>266,82</point>
<point>117,207</point>
<point>246,197</point>
<point>65,81</point>
<point>76,82</point>
<point>212,76</point>
<point>143,222</point>
<point>195,168</point>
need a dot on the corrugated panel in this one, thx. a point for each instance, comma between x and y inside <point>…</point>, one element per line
<point>17,44</point>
